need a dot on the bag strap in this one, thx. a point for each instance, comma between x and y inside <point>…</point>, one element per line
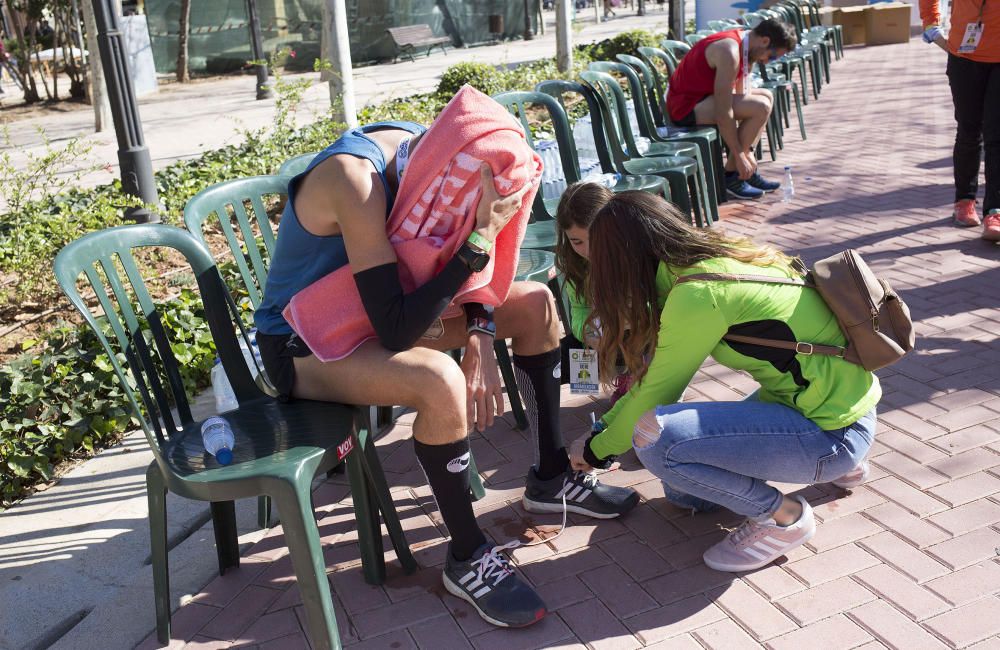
<point>799,347</point>
<point>764,279</point>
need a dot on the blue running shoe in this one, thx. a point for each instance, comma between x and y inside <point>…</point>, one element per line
<point>487,582</point>
<point>737,189</point>
<point>761,184</point>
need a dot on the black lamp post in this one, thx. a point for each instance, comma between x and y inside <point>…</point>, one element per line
<point>133,156</point>
<point>263,91</point>
<point>528,35</point>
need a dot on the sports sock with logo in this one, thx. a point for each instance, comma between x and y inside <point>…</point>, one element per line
<point>447,470</point>
<point>538,378</point>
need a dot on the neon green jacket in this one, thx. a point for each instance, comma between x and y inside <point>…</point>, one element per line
<point>579,310</point>
<point>695,316</point>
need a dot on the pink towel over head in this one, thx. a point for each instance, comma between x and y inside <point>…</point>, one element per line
<point>434,212</point>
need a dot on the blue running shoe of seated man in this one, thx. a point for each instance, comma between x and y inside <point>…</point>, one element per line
<point>739,189</point>
<point>761,184</point>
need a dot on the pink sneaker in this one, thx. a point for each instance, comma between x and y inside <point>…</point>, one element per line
<point>965,213</point>
<point>991,226</point>
<point>759,541</point>
<point>855,477</point>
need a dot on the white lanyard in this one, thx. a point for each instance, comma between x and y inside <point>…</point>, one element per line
<point>402,156</point>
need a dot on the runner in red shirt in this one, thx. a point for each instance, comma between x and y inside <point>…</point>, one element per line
<point>710,86</point>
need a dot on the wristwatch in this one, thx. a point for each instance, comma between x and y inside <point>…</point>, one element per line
<point>484,325</point>
<point>474,260</point>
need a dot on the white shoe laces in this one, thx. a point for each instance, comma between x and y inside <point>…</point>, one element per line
<point>588,480</point>
<point>494,566</point>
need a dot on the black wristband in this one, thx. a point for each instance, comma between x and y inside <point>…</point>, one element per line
<point>594,461</point>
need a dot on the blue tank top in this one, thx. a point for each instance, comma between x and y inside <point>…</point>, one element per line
<point>300,258</point>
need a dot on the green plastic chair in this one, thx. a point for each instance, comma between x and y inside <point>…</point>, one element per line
<point>517,103</point>
<point>676,49</point>
<point>788,90</point>
<point>609,165</point>
<point>204,210</point>
<point>641,84</point>
<point>682,172</point>
<point>279,447</point>
<point>297,164</point>
<point>693,38</point>
<point>706,136</point>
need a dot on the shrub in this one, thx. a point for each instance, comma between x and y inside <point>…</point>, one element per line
<point>624,43</point>
<point>481,76</point>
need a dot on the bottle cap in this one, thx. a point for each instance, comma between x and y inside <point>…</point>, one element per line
<point>788,168</point>
<point>224,456</point>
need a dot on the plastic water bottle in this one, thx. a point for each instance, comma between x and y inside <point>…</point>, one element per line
<point>217,436</point>
<point>787,187</point>
<point>583,135</point>
<point>225,398</point>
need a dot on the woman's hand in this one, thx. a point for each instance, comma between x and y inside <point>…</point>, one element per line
<point>576,460</point>
<point>495,211</point>
<point>484,393</point>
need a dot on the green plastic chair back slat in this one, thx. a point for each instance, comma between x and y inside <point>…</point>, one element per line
<point>279,447</point>
<point>210,208</point>
<point>517,103</point>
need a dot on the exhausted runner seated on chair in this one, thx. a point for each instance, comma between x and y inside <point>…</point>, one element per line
<point>712,86</point>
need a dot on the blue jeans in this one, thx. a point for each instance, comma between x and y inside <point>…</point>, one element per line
<point>722,453</point>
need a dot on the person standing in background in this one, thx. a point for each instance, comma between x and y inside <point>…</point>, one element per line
<point>973,46</point>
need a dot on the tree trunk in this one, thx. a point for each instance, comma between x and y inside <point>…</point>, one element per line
<point>341,78</point>
<point>564,36</point>
<point>96,89</point>
<point>24,62</point>
<point>183,74</point>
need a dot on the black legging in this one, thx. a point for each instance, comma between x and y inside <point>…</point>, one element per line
<point>975,86</point>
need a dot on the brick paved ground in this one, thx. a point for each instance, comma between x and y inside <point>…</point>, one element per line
<point>907,561</point>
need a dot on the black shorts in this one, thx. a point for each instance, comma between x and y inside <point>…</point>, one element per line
<point>277,352</point>
<point>687,120</point>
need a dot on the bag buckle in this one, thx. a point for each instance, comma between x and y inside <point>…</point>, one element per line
<point>802,347</point>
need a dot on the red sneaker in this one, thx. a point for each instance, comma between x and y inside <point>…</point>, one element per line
<point>991,226</point>
<point>965,213</point>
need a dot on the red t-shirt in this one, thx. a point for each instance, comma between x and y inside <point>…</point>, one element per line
<point>694,79</point>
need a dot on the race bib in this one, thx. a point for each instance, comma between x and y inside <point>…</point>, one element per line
<point>970,41</point>
<point>583,375</point>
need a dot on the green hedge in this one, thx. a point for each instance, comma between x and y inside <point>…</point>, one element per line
<point>61,398</point>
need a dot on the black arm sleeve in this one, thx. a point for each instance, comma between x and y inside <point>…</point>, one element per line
<point>400,319</point>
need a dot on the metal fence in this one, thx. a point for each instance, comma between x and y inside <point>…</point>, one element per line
<point>219,38</point>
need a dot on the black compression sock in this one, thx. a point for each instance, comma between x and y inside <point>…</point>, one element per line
<point>538,378</point>
<point>447,470</point>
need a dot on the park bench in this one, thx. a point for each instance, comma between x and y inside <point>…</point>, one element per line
<point>411,37</point>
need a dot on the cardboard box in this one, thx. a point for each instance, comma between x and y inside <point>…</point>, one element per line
<point>826,16</point>
<point>848,3</point>
<point>888,22</point>
<point>855,24</point>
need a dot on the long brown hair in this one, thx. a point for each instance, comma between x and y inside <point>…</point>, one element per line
<point>630,236</point>
<point>578,206</point>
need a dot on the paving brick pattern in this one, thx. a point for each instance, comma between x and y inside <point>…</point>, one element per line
<point>907,561</point>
